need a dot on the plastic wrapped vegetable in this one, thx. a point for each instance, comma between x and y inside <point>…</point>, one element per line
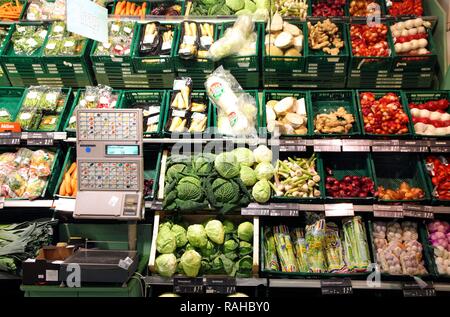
<point>48,123</point>
<point>35,187</point>
<point>49,99</point>
<point>315,239</point>
<point>41,163</point>
<point>120,39</point>
<point>28,39</point>
<point>33,96</point>
<point>298,238</point>
<point>389,259</point>
<point>356,247</point>
<point>5,115</point>
<point>28,118</point>
<point>285,249</point>
<point>237,107</point>
<point>333,248</point>
<point>270,252</point>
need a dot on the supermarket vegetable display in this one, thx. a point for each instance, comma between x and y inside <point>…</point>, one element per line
<point>296,177</point>
<point>318,247</point>
<point>438,168</point>
<point>62,42</point>
<point>364,8</point>
<point>130,8</point>
<point>404,7</point>
<point>325,36</point>
<point>24,174</point>
<point>260,9</point>
<point>335,122</point>
<point>369,40</point>
<point>431,117</point>
<point>213,247</point>
<point>383,115</point>
<point>287,116</point>
<point>398,251</point>
<point>328,8</point>
<point>69,184</point>
<point>119,40</point>
<point>94,97</point>
<point>411,37</point>
<point>28,39</point>
<point>10,10</point>
<point>46,10</point>
<point>439,237</point>
<point>283,38</point>
<point>20,241</point>
<point>292,8</point>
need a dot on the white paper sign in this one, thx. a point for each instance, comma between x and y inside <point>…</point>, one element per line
<point>87,19</point>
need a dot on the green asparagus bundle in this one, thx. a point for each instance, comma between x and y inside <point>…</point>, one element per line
<point>284,248</point>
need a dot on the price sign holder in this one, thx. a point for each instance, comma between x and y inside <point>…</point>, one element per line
<point>40,138</point>
<point>335,286</point>
<point>388,211</point>
<point>339,210</point>
<point>356,145</point>
<point>10,138</point>
<point>220,285</point>
<point>188,285</point>
<point>440,146</point>
<point>292,145</point>
<point>327,145</point>
<point>418,211</point>
<point>412,289</point>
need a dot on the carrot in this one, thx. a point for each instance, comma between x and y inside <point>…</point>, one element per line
<point>132,8</point>
<point>143,8</point>
<point>67,183</point>
<point>127,12</point>
<point>72,168</point>
<point>73,184</point>
<point>62,189</point>
<point>74,193</point>
<point>119,7</point>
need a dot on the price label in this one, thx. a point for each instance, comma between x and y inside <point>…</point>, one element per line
<point>188,285</point>
<point>255,212</point>
<point>418,211</point>
<point>218,285</point>
<point>2,202</point>
<point>40,138</point>
<point>388,211</point>
<point>336,286</point>
<point>356,145</point>
<point>416,290</point>
<point>327,148</point>
<point>157,205</point>
<point>339,210</point>
<point>10,138</point>
<point>385,148</point>
<point>440,149</point>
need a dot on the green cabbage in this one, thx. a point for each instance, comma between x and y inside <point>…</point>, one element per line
<point>262,154</point>
<point>245,231</point>
<point>202,165</point>
<point>208,250</point>
<point>227,165</point>
<point>166,264</point>
<point>190,262</point>
<point>228,226</point>
<point>244,156</point>
<point>248,176</point>
<point>250,5</point>
<point>180,235</point>
<point>197,237</point>
<point>225,191</point>
<point>190,188</point>
<point>264,170</point>
<point>166,241</point>
<point>230,246</point>
<point>174,170</point>
<point>245,248</point>
<point>261,191</point>
<point>215,231</point>
<point>235,5</point>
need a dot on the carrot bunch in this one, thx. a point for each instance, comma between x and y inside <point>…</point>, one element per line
<point>130,8</point>
<point>10,11</point>
<point>69,184</point>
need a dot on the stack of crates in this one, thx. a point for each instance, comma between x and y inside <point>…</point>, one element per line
<point>197,69</point>
<point>4,31</point>
<point>246,69</point>
<point>314,69</point>
<point>38,69</point>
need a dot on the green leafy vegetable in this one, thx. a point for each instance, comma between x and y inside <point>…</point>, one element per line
<point>166,264</point>
<point>245,231</point>
<point>248,176</point>
<point>227,165</point>
<point>190,262</point>
<point>180,235</point>
<point>197,237</point>
<point>264,170</point>
<point>215,231</point>
<point>166,242</point>
<point>244,156</point>
<point>261,191</point>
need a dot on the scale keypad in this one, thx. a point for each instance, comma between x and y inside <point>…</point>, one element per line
<point>108,176</point>
<point>108,126</point>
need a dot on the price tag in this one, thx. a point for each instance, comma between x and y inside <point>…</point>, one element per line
<point>284,213</point>
<point>440,149</point>
<point>356,145</point>
<point>10,138</point>
<point>255,212</point>
<point>339,210</point>
<point>40,138</point>
<point>327,145</point>
<point>385,148</point>
<point>418,211</point>
<point>387,211</point>
<point>188,285</point>
<point>220,285</point>
<point>416,290</point>
<point>336,286</point>
<point>157,205</point>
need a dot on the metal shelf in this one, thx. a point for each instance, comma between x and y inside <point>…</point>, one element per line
<point>28,204</point>
<point>248,282</point>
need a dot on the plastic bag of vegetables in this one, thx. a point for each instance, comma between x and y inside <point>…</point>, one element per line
<point>236,108</point>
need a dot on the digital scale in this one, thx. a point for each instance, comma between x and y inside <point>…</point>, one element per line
<point>110,164</point>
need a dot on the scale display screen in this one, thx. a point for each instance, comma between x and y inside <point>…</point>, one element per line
<point>122,150</point>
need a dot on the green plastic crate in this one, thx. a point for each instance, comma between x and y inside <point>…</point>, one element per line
<point>10,99</point>
<point>195,95</point>
<point>249,63</point>
<point>319,170</point>
<point>372,63</point>
<point>115,237</point>
<point>152,168</point>
<point>390,171</point>
<point>425,254</point>
<point>247,80</point>
<point>428,176</point>
<point>303,275</point>
<point>381,3</point>
<point>153,4</point>
<point>278,95</point>
<point>348,164</point>
<point>378,94</point>
<point>303,81</point>
<point>422,97</point>
<point>317,59</point>
<point>186,67</point>
<point>253,93</point>
<point>328,101</point>
<point>155,64</point>
<point>312,2</point>
<point>74,105</point>
<point>286,64</point>
<point>130,97</point>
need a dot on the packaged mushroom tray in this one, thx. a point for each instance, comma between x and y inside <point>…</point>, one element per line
<point>195,40</point>
<point>188,111</point>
